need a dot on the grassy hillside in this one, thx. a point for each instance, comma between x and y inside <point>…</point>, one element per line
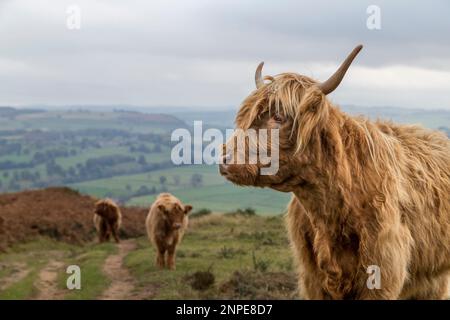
<point>221,256</point>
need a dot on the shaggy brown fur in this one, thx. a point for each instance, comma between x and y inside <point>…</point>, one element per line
<point>364,193</point>
<point>166,223</point>
<point>107,220</point>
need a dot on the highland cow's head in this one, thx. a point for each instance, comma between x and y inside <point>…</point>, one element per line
<point>290,107</point>
<point>174,213</point>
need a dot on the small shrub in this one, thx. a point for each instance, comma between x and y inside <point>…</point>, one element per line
<point>249,212</point>
<point>286,266</point>
<point>268,242</point>
<point>201,280</point>
<point>243,212</point>
<point>226,253</point>
<point>260,264</point>
<point>229,253</point>
<point>200,213</point>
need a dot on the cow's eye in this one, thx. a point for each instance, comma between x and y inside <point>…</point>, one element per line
<point>278,118</point>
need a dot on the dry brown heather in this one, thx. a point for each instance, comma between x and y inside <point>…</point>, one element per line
<point>59,213</point>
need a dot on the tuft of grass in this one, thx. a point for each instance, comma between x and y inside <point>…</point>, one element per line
<point>229,253</point>
<point>260,264</point>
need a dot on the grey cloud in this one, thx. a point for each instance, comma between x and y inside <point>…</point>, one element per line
<point>141,52</point>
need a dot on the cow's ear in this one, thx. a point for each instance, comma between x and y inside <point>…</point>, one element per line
<point>162,208</point>
<point>187,208</point>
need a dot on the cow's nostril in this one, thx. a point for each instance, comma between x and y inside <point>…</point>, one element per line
<point>223,169</point>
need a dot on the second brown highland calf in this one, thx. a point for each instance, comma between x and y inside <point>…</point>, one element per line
<point>166,223</point>
<point>107,220</point>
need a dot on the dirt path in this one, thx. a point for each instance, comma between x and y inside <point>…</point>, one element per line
<point>19,271</point>
<point>122,283</point>
<point>47,282</point>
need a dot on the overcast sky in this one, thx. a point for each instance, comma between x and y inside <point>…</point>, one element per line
<point>204,53</point>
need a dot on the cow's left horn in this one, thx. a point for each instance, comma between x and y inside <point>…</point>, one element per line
<point>258,77</point>
<point>334,81</point>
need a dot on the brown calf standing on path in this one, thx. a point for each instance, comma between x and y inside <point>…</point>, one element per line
<point>107,220</point>
<point>166,223</point>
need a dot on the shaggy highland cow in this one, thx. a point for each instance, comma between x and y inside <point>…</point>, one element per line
<point>364,193</point>
<point>107,220</point>
<point>166,223</point>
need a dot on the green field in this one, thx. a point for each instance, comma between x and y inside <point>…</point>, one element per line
<point>215,193</point>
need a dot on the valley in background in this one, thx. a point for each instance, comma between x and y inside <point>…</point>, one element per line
<point>123,152</point>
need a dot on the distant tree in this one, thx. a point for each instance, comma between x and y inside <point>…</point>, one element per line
<point>128,187</point>
<point>72,172</point>
<point>39,157</point>
<point>176,180</point>
<point>54,169</point>
<point>142,191</point>
<point>143,148</point>
<point>162,180</point>
<point>157,148</point>
<point>142,160</point>
<point>14,186</point>
<point>196,180</point>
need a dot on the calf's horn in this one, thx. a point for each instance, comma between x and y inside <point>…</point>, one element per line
<point>334,81</point>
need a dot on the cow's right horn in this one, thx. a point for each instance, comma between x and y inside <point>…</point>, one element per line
<point>333,82</point>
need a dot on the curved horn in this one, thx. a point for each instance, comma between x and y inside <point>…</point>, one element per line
<point>258,78</point>
<point>334,81</point>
